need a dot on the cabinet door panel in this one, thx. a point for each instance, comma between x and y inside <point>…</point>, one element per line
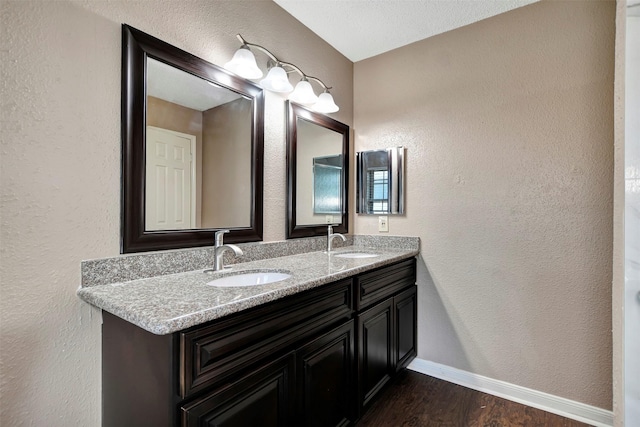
<point>325,368</point>
<point>261,398</point>
<point>405,305</point>
<point>375,358</point>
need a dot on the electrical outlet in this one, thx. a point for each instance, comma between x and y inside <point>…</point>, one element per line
<point>383,223</point>
<point>328,219</point>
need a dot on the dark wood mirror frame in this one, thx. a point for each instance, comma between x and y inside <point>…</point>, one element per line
<point>295,111</point>
<point>136,47</point>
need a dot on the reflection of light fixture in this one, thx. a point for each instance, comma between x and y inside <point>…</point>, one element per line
<point>277,79</point>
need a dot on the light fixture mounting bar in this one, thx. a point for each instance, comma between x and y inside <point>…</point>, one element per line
<point>299,71</point>
<point>326,88</point>
<point>257,46</point>
<point>293,67</point>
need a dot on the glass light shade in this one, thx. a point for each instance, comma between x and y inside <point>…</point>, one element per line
<point>325,104</point>
<point>244,64</point>
<point>277,81</point>
<point>303,93</point>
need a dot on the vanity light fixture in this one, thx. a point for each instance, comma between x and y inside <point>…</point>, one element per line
<point>303,93</point>
<point>326,103</point>
<point>244,64</point>
<point>277,80</point>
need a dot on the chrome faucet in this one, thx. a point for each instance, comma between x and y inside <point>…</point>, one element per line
<point>221,248</point>
<point>330,236</point>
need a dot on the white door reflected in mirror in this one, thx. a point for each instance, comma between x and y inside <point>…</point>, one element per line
<point>170,171</point>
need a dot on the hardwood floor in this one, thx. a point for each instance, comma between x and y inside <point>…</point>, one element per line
<point>417,400</point>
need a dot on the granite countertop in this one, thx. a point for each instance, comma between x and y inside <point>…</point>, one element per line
<point>172,302</point>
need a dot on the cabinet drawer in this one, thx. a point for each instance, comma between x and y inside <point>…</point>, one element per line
<point>211,353</point>
<point>378,284</point>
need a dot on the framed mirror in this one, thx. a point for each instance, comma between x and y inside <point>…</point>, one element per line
<point>380,181</point>
<point>317,173</point>
<point>192,149</point>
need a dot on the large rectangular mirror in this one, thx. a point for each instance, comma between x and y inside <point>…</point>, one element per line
<point>192,149</point>
<point>318,173</point>
<point>380,181</point>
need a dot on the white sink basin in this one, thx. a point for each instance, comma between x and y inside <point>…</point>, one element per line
<point>249,279</point>
<point>356,255</point>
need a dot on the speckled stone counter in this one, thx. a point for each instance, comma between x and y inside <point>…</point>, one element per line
<point>171,302</point>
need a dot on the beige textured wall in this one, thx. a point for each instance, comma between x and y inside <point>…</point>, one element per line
<point>60,172</point>
<point>167,115</point>
<point>508,125</point>
<point>618,267</point>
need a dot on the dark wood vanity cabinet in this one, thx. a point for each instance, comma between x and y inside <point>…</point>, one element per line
<point>386,326</point>
<point>312,359</point>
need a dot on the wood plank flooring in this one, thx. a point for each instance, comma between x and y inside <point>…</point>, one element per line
<point>417,400</point>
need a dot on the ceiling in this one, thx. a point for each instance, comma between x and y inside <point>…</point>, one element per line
<point>360,29</point>
<point>178,87</point>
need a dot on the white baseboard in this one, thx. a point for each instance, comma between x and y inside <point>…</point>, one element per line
<point>537,399</point>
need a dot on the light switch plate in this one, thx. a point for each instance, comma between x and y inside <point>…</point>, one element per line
<point>328,219</point>
<point>383,223</point>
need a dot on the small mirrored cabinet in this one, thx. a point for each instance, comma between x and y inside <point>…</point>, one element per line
<point>317,173</point>
<point>380,181</point>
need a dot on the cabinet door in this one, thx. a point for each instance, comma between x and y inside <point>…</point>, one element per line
<point>405,308</point>
<point>375,355</point>
<point>325,379</point>
<point>263,397</point>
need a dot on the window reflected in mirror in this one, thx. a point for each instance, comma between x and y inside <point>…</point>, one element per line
<point>378,191</point>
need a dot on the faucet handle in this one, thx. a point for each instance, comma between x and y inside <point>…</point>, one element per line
<point>219,236</point>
